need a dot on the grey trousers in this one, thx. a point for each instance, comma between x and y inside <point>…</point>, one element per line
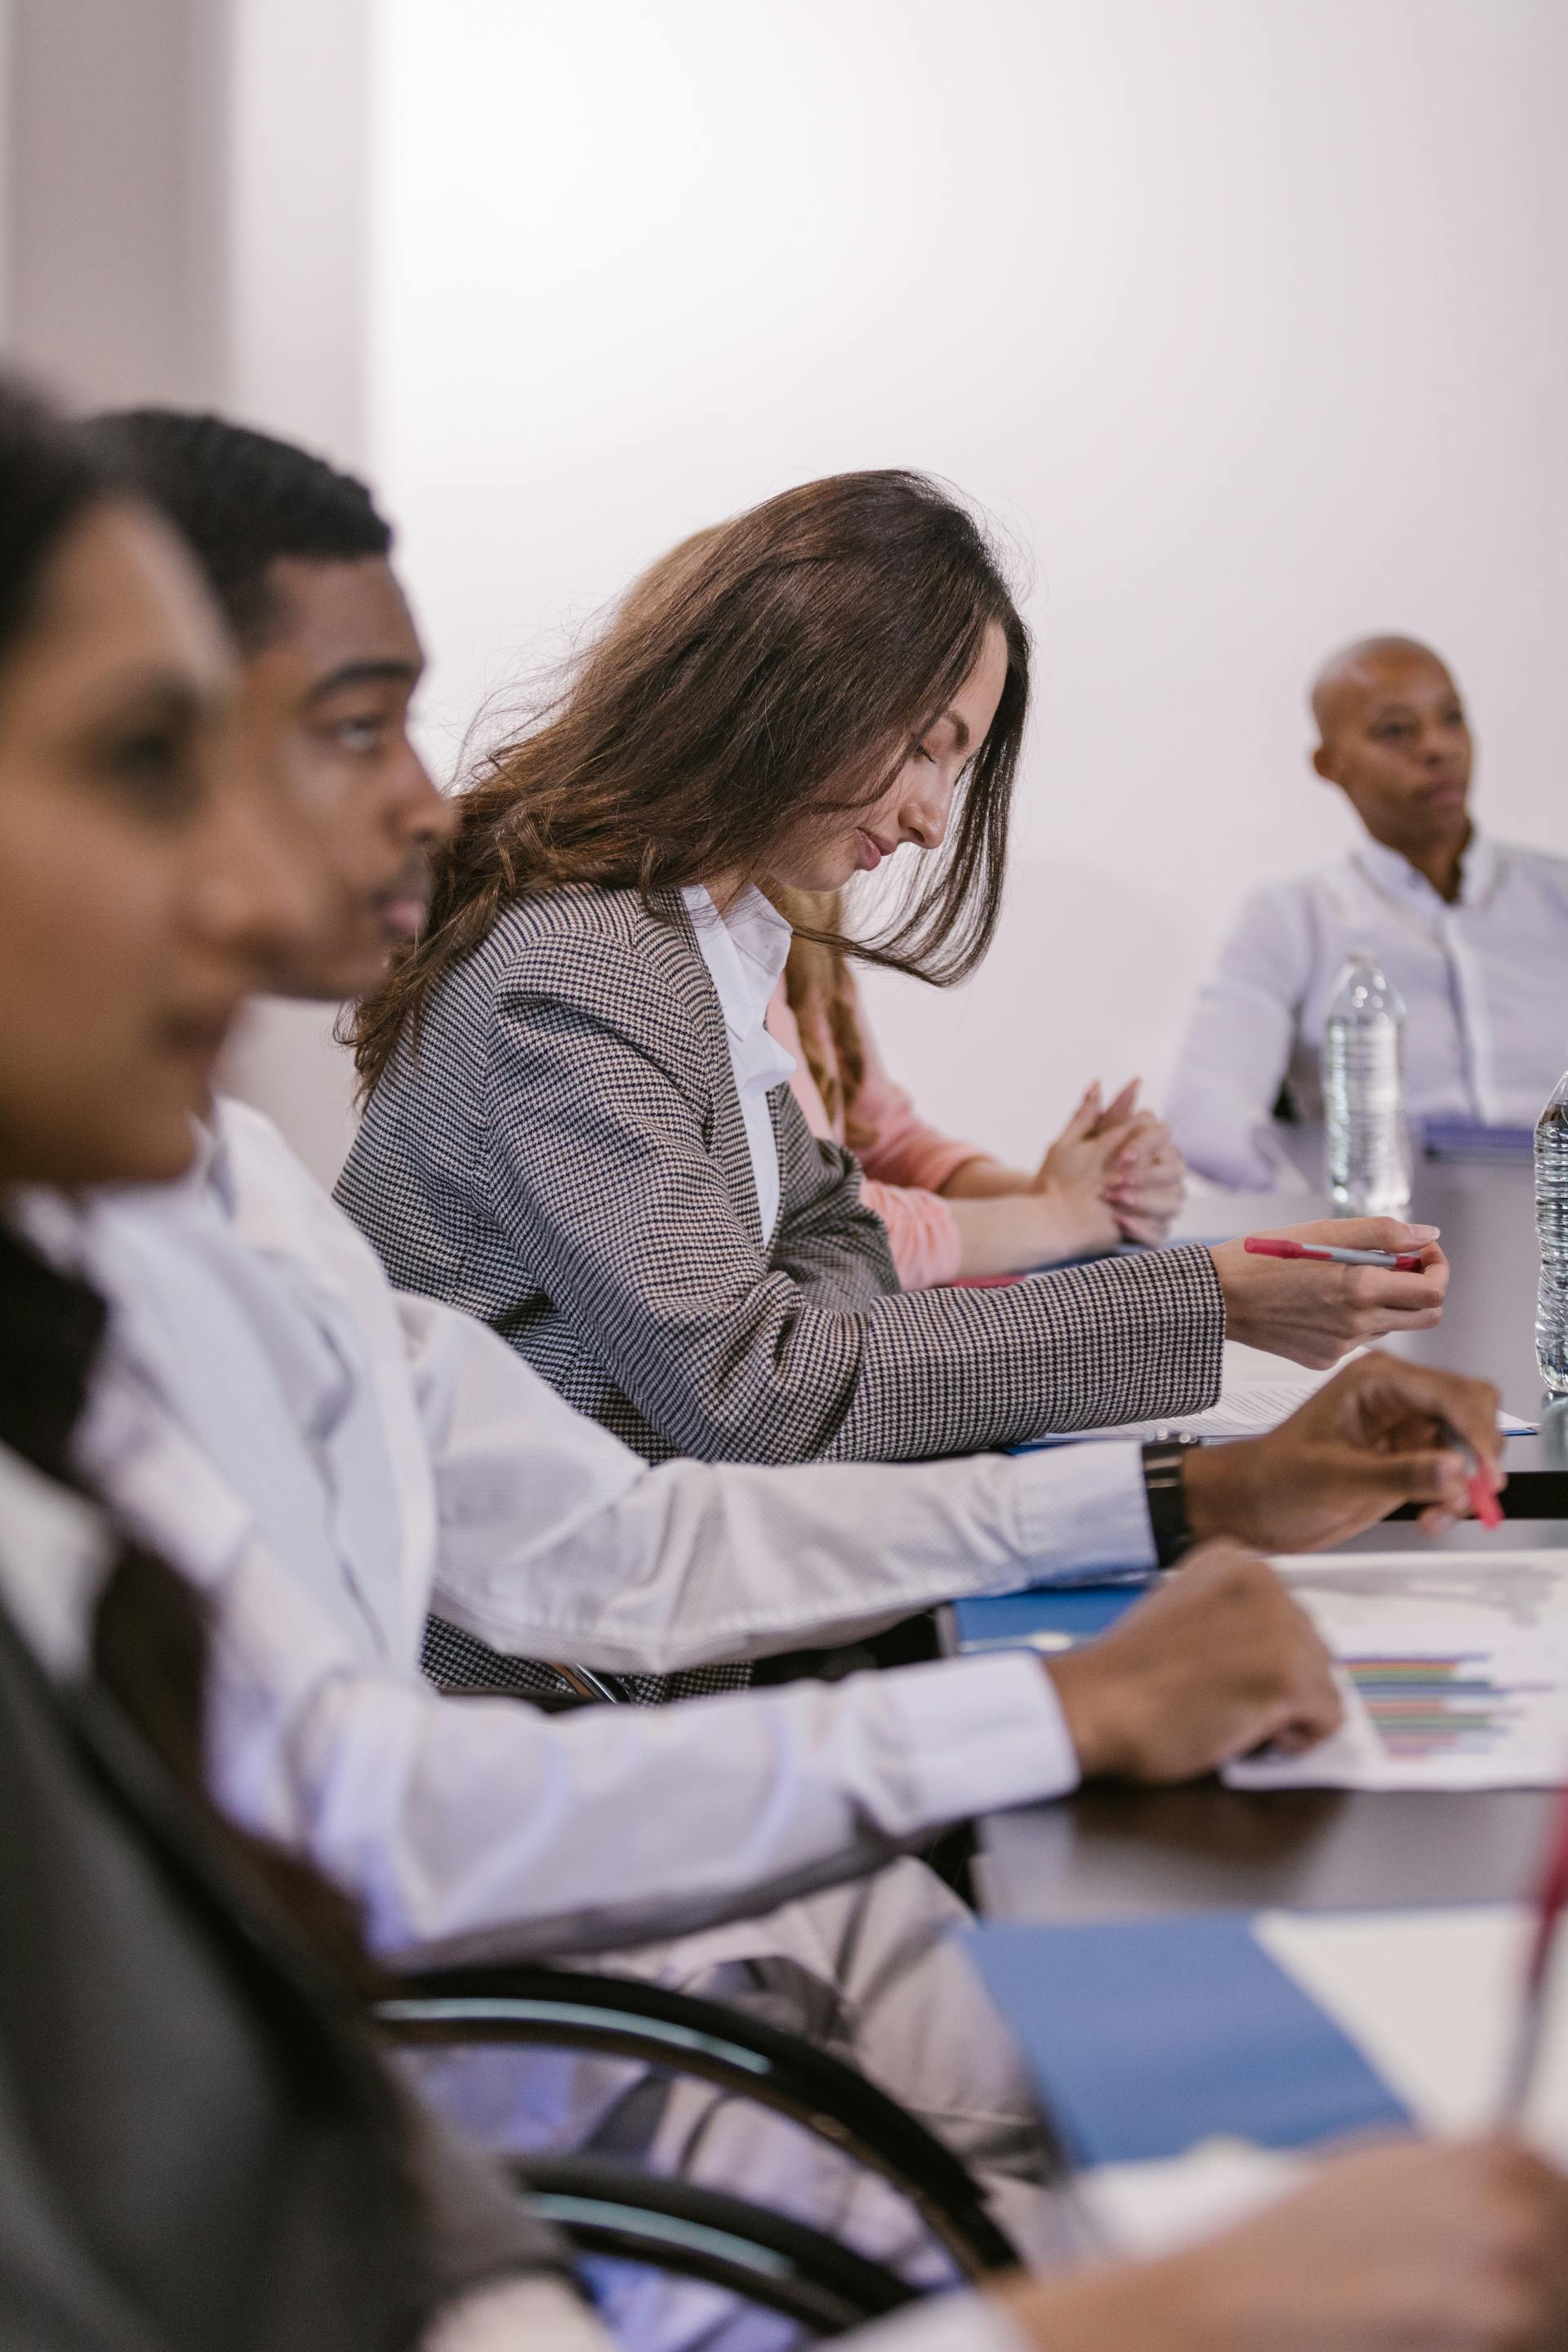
<point>871,1972</point>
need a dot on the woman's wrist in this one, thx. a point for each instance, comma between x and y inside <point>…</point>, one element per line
<point>1024,1229</point>
<point>983,1179</point>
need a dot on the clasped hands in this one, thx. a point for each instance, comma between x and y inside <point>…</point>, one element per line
<point>1113,1174</point>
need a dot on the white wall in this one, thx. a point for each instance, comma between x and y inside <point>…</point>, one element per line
<point>113,218</point>
<point>297,100</point>
<point>1245,316</point>
<point>184,193</point>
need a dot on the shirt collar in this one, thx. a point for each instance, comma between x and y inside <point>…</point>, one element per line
<point>213,1167</point>
<point>745,950</point>
<point>55,1558</point>
<point>1481,870</point>
<point>52,1328</point>
<point>1478,870</point>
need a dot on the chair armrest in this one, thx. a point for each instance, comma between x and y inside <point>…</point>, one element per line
<point>624,2018</point>
<point>606,2207</point>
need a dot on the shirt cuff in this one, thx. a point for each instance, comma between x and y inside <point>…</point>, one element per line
<point>981,1735</point>
<point>1083,1510</point>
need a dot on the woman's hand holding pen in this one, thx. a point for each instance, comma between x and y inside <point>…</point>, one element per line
<point>1382,1433</point>
<point>1314,1311</point>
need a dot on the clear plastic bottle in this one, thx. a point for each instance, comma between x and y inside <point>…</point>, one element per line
<point>1552,1231</point>
<point>1363,1092</point>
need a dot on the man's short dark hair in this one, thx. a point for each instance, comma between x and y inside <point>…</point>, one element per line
<point>242,499</point>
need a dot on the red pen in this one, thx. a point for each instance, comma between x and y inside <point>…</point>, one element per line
<point>1550,1897</point>
<point>1480,1491</point>
<point>1276,1245</point>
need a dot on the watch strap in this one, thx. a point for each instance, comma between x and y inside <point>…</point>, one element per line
<point>1165,1483</point>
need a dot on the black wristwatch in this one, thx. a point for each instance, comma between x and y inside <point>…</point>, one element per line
<point>1166,1483</point>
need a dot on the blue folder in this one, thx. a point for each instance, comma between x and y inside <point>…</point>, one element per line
<point>1146,2036</point>
<point>1065,1614</point>
<point>1465,1138</point>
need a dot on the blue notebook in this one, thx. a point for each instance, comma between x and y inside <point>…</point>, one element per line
<point>1465,1138</point>
<point>1053,1617</point>
<point>1146,2036</point>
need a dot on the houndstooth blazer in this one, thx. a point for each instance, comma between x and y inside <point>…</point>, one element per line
<point>562,1154</point>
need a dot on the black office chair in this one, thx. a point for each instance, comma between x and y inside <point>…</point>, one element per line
<point>679,2034</point>
<point>604,2207</point>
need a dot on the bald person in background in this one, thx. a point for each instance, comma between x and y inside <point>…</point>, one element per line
<point>1472,932</point>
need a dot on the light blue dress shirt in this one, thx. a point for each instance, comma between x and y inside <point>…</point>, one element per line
<point>1485,984</point>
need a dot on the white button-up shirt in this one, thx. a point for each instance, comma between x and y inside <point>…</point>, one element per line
<point>55,1551</point>
<point>1485,984</point>
<point>745,950</point>
<point>318,1455</point>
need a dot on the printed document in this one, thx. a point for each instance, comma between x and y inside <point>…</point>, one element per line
<point>1453,1667</point>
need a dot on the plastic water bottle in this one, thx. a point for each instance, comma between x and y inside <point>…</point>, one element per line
<point>1363,1092</point>
<point>1551,1230</point>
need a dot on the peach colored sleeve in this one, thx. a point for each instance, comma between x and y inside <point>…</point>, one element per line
<point>921,1231</point>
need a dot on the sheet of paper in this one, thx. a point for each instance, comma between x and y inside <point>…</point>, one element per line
<point>1247,1408</point>
<point>1477,1593</point>
<point>1152,2209</point>
<point>1453,1667</point>
<point>1431,1998</point>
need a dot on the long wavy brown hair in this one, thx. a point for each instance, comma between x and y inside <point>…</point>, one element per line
<point>783,661</point>
<point>819,994</point>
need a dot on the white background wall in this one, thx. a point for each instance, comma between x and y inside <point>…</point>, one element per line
<point>184,207</point>
<point>1244,317</point>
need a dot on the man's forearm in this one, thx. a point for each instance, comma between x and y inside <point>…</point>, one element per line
<point>693,1563</point>
<point>485,1828</point>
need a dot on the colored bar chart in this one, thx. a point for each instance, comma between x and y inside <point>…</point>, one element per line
<point>1465,1697</point>
<point>1450,1703</point>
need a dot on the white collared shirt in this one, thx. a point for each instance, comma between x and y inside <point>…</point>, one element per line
<point>56,1552</point>
<point>745,950</point>
<point>1485,984</point>
<point>319,1453</point>
<point>55,1549</point>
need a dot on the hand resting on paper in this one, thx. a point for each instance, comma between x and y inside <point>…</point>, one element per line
<point>1373,1438</point>
<point>1215,1663</point>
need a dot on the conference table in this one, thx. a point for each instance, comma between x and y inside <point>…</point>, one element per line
<point>1113,1850</point>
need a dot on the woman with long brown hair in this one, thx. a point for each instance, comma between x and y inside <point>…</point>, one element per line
<point>577,1126</point>
<point>953,1211</point>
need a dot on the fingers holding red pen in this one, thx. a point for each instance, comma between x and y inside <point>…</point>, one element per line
<point>1392,1235</point>
<point>1443,1425</point>
<point>1381,1434</point>
<point>1314,1311</point>
<point>1435,1431</point>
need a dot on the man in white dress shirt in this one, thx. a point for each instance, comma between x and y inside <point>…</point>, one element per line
<point>207,892</point>
<point>320,1454</point>
<point>1472,932</point>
